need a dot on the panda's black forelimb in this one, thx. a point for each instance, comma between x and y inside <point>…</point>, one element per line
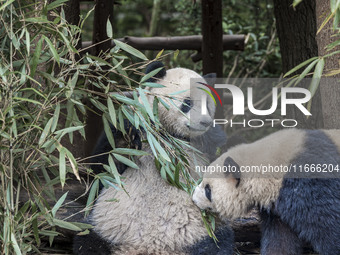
<point>207,246</point>
<point>91,244</point>
<point>277,237</point>
<point>100,152</point>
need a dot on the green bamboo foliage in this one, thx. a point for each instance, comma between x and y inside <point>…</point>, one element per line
<point>44,79</point>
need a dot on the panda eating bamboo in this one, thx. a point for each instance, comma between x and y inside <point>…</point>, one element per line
<point>300,205</point>
<point>153,217</point>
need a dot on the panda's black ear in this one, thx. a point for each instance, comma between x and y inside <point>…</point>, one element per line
<point>233,169</point>
<point>153,66</point>
<point>210,78</point>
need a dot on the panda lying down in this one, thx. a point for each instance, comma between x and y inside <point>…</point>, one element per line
<point>294,208</point>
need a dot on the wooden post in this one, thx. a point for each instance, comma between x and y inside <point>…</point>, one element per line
<point>102,12</point>
<point>212,45</point>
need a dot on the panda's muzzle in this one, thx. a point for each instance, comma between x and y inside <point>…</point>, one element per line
<point>205,123</point>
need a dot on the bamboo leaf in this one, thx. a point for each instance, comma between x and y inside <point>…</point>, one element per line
<point>121,121</point>
<point>55,117</point>
<point>296,2</point>
<point>92,194</point>
<point>146,103</point>
<point>177,171</point>
<point>306,71</point>
<point>82,225</point>
<point>35,91</point>
<point>131,152</point>
<point>58,204</point>
<point>150,141</point>
<point>99,60</point>
<point>317,76</point>
<point>123,99</point>
<point>164,104</point>
<point>125,160</point>
<point>52,49</point>
<point>153,85</point>
<point>112,111</point>
<point>328,18</point>
<point>333,44</point>
<point>15,245</point>
<point>336,20</point>
<point>136,121</point>
<point>160,149</point>
<point>28,42</point>
<point>66,225</point>
<point>56,4</point>
<point>333,72</point>
<point>108,132</point>
<point>73,164</point>
<point>314,85</point>
<point>36,230</point>
<point>334,5</point>
<point>122,72</point>
<point>159,54</point>
<point>48,233</point>
<point>299,66</point>
<point>163,173</point>
<point>27,100</point>
<point>36,56</point>
<point>130,50</point>
<point>46,131</point>
<point>23,77</point>
<point>65,131</point>
<point>6,4</point>
<point>178,92</point>
<point>62,166</point>
<point>109,28</point>
<point>128,115</point>
<point>113,170</point>
<point>151,74</point>
<point>176,53</point>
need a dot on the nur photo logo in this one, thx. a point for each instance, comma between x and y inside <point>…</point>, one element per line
<point>279,99</point>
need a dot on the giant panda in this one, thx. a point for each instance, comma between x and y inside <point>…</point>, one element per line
<point>296,207</point>
<point>153,217</point>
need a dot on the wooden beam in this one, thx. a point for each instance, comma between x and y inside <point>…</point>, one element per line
<point>191,42</point>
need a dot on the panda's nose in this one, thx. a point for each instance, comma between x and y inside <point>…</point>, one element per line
<point>205,123</point>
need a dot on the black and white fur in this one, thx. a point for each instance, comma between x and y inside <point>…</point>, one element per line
<point>295,208</point>
<point>153,217</point>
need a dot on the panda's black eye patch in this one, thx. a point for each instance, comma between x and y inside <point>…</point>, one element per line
<point>208,192</point>
<point>187,105</point>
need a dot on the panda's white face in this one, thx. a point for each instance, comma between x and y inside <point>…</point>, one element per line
<point>216,193</point>
<point>185,117</point>
<point>202,197</point>
<point>224,192</point>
